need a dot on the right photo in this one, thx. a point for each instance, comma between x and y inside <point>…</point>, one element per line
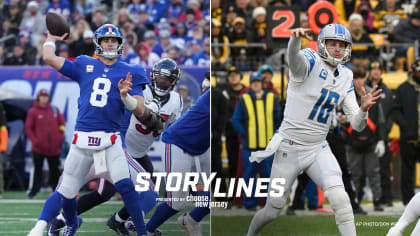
<point>315,126</point>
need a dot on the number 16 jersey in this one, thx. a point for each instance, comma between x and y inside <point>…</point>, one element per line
<point>311,100</point>
<point>100,106</point>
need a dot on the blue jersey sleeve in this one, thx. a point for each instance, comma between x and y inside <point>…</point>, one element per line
<point>71,69</point>
<point>139,80</point>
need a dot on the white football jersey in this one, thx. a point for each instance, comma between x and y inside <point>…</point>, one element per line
<point>139,138</point>
<point>311,100</point>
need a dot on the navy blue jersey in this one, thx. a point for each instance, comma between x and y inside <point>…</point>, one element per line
<point>191,132</point>
<point>99,103</point>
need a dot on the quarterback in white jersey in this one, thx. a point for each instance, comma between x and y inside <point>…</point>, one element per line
<point>318,84</point>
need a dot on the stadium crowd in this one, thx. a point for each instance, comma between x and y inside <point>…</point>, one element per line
<point>383,34</point>
<point>153,29</point>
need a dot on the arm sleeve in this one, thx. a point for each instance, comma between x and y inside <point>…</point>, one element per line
<point>70,69</point>
<point>355,115</point>
<point>298,62</point>
<point>237,119</point>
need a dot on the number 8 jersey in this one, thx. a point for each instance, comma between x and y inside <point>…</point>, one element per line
<point>100,106</point>
<point>313,92</point>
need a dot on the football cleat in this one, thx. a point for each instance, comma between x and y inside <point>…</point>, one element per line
<point>187,223</point>
<point>70,230</point>
<point>117,226</point>
<point>55,227</point>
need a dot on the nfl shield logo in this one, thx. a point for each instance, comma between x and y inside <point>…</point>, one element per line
<point>89,68</point>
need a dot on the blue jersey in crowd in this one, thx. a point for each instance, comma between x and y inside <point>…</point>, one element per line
<point>191,132</point>
<point>100,105</point>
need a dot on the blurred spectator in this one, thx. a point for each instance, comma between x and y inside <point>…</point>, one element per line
<point>406,114</point>
<point>11,34</point>
<point>150,39</point>
<point>267,74</point>
<point>187,101</point>
<point>176,12</point>
<point>134,8</point>
<point>219,109</point>
<point>259,3</point>
<point>46,142</point>
<point>98,19</point>
<point>14,15</point>
<point>244,9</point>
<point>173,53</point>
<point>344,9</point>
<point>29,51</point>
<point>17,58</point>
<point>145,57</point>
<point>231,92</point>
<point>365,10</point>
<point>387,15</point>
<point>77,31</point>
<point>361,54</point>
<point>247,120</point>
<point>129,56</point>
<point>220,53</point>
<point>195,6</point>
<point>385,104</point>
<point>187,59</point>
<point>197,46</point>
<point>197,33</point>
<point>143,23</point>
<point>3,145</point>
<point>63,51</point>
<point>242,61</point>
<point>122,16</point>
<point>216,10</point>
<point>202,58</point>
<point>164,42</point>
<point>239,36</point>
<point>34,21</point>
<point>190,20</point>
<point>180,37</point>
<point>280,3</point>
<point>228,18</point>
<point>367,147</point>
<point>408,30</point>
<point>61,7</point>
<point>157,9</point>
<point>258,28</point>
<point>83,46</point>
<point>131,38</point>
<point>130,26</point>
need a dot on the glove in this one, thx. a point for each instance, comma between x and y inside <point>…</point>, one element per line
<point>153,105</point>
<point>271,148</point>
<point>380,148</point>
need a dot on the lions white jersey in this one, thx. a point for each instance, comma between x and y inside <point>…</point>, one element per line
<point>313,96</point>
<point>138,137</point>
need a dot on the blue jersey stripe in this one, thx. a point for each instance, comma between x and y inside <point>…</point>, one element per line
<point>310,55</point>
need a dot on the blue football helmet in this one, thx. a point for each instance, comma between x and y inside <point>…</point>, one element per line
<point>108,31</point>
<point>334,32</point>
<point>169,69</point>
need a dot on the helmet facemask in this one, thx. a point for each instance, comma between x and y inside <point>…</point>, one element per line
<point>163,82</point>
<point>109,55</point>
<point>334,32</point>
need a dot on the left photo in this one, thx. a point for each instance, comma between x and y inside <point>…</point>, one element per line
<point>105,117</point>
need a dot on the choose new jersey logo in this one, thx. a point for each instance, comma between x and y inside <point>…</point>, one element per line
<point>94,141</point>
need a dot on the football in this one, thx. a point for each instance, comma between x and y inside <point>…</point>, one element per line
<point>57,25</point>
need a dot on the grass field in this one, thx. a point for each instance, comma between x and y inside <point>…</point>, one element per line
<point>18,215</point>
<point>303,226</point>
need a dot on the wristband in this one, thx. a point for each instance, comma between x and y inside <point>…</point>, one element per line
<point>129,102</point>
<point>49,43</point>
